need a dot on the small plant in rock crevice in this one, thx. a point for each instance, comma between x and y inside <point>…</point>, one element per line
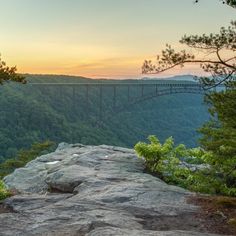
<point>4,193</point>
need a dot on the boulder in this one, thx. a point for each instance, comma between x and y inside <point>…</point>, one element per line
<point>93,191</point>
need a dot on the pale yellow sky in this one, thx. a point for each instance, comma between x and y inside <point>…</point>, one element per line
<point>101,38</point>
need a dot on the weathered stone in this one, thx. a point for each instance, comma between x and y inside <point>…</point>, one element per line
<point>62,146</point>
<point>109,195</point>
<point>33,180</point>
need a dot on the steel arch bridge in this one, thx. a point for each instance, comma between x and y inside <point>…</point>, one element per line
<point>145,91</point>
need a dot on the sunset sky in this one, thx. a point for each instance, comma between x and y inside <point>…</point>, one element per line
<point>100,38</point>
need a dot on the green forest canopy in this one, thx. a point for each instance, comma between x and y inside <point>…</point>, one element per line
<point>30,115</point>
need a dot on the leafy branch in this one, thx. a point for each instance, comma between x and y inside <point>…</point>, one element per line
<point>221,68</point>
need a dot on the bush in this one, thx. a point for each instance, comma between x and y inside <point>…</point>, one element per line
<point>170,163</point>
<point>164,160</point>
<point>3,192</point>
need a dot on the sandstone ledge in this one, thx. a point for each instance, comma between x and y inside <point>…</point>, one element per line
<point>95,191</point>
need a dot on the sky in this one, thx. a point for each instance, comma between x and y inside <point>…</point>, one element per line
<point>101,38</point>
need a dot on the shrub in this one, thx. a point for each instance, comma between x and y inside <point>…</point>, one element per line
<point>3,191</point>
<point>164,159</point>
<point>171,164</point>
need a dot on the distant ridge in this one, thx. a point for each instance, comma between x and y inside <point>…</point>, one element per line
<point>189,78</point>
<point>70,78</point>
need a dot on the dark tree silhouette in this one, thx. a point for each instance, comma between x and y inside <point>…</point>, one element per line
<point>9,74</point>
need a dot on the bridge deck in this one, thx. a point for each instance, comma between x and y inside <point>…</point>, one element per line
<point>121,84</point>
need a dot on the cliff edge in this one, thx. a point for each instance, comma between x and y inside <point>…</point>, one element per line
<point>95,191</point>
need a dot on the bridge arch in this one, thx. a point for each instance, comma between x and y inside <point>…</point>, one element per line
<point>156,89</point>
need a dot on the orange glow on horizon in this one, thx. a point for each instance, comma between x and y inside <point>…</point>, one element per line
<point>101,39</point>
<point>113,70</point>
<point>117,68</point>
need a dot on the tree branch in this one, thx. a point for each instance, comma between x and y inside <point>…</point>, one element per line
<point>187,61</point>
<point>221,82</point>
<point>224,62</point>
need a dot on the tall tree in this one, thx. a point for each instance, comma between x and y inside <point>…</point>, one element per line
<point>219,137</point>
<point>9,74</point>
<point>219,134</point>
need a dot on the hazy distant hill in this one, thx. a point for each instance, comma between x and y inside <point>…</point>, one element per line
<point>56,79</point>
<point>32,114</point>
<point>189,78</point>
<point>80,79</point>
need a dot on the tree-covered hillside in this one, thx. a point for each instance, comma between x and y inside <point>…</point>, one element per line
<point>34,113</point>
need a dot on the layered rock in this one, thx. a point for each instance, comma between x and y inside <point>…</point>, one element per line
<point>95,191</point>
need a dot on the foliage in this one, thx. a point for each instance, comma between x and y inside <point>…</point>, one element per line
<point>9,74</point>
<point>25,156</point>
<point>163,160</point>
<point>170,163</point>
<point>231,3</point>
<point>218,59</point>
<point>3,192</point>
<point>219,135</point>
<point>32,114</point>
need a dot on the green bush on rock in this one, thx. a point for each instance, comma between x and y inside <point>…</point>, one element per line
<point>188,168</point>
<point>3,191</point>
<point>164,160</point>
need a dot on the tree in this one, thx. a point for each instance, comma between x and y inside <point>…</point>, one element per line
<point>219,137</point>
<point>219,134</point>
<point>231,3</point>
<point>219,56</point>
<point>9,74</point>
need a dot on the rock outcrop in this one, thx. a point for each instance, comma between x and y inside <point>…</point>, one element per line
<point>95,191</point>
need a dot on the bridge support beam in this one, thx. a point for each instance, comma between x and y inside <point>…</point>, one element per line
<point>87,101</point>
<point>100,103</point>
<point>128,93</point>
<point>156,89</point>
<point>142,89</point>
<point>114,97</point>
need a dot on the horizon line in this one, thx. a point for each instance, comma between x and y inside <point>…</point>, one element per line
<point>112,78</point>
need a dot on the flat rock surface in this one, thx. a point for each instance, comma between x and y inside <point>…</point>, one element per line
<point>95,191</point>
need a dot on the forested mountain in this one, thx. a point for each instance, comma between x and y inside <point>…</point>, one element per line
<point>34,113</point>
